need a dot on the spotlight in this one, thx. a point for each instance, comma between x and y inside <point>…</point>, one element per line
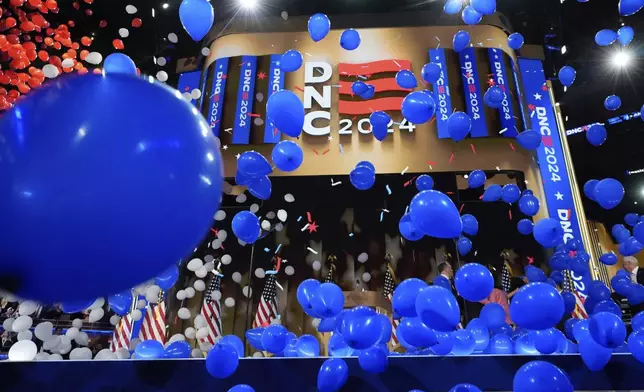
<point>248,4</point>
<point>621,58</point>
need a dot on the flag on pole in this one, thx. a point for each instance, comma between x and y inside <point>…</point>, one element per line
<point>211,308</point>
<point>121,334</point>
<point>580,310</point>
<point>267,308</point>
<point>153,327</point>
<point>330,277</point>
<point>389,293</point>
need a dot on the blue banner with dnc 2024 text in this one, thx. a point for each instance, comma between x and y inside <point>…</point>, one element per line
<point>556,179</point>
<point>473,92</point>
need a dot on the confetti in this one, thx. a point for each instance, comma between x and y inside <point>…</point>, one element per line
<point>312,250</point>
<point>350,234</point>
<point>281,288</point>
<point>266,250</point>
<point>315,151</point>
<point>503,130</point>
<point>461,209</point>
<point>305,227</point>
<point>388,189</point>
<point>473,149</point>
<point>382,214</point>
<point>512,146</point>
<point>404,171</point>
<point>272,272</point>
<point>396,62</point>
<point>451,158</point>
<point>341,149</point>
<point>406,210</point>
<point>308,216</point>
<point>335,183</point>
<point>406,184</point>
<point>228,130</point>
<point>510,213</point>
<point>278,248</point>
<point>325,151</point>
<point>362,77</point>
<point>299,88</point>
<point>254,115</point>
<point>300,218</point>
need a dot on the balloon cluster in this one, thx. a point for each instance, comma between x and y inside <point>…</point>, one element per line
<point>608,193</point>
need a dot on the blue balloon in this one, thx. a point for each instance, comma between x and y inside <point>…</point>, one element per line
<point>471,16</point>
<point>80,306</point>
<point>361,327</point>
<point>515,41</point>
<point>589,189</point>
<point>567,75</point>
<point>607,305</point>
<point>569,326</point>
<point>275,338</point>
<point>621,233</point>
<point>637,322</point>
<point>369,92</point>
<point>605,37</point>
<point>537,306</point>
<point>510,193</point>
<point>149,349</point>
<point>374,359</point>
<point>445,343</point>
<point>453,7</point>
<point>609,193</point>
<point>177,350</point>
<point>327,324</point>
<point>415,333</point>
<point>305,293</point>
<point>630,7</point>
<point>612,102</point>
<point>492,193</point>
<point>494,97</point>
<point>350,39</point>
<point>260,187</point>
<point>253,164</point>
<point>459,125</point>
<point>424,182</point>
<point>327,300</point>
<point>474,282</point>
<point>535,274</point>
<point>167,278</point>
<point>254,337</point>
<point>529,139</point>
<point>418,107</point>
<point>529,205</point>
<point>598,290</point>
<point>431,73</point>
<point>501,344</point>
<point>241,388</point>
<point>464,246</point>
<point>631,219</point>
<point>547,341</point>
<point>120,303</point>
<point>222,360</point>
<point>197,17</point>
<point>408,229</point>
<point>285,111</point>
<point>485,7</point>
<point>548,232</point>
<point>625,35</point>
<point>461,40</point>
<point>463,342</point>
<point>287,155</point>
<point>596,135</point>
<point>307,346</point>
<point>638,232</point>
<point>569,301</point>
<point>380,124</point>
<point>480,333</point>
<point>333,374</point>
<point>52,182</point>
<point>593,354</point>
<point>235,342</point>
<point>476,179</point>
<point>559,262</point>
<point>636,344</point>
<point>119,63</point>
<point>291,61</point>
<point>622,285</point>
<point>437,308</point>
<point>607,329</point>
<point>403,300</point>
<point>524,344</point>
<point>435,214</point>
<point>539,376</point>
<point>406,79</point>
<point>338,347</point>
<point>442,281</point>
<point>246,226</point>
<point>319,26</point>
<point>362,178</point>
<point>359,87</point>
<point>470,224</point>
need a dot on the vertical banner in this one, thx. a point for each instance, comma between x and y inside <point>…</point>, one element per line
<point>473,93</point>
<point>189,81</point>
<point>550,156</point>
<point>275,84</point>
<point>497,66</point>
<point>217,95</point>
<point>515,70</point>
<point>245,97</point>
<point>441,92</point>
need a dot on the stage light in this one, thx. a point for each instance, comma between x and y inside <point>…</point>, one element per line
<point>165,6</point>
<point>248,4</point>
<point>564,49</point>
<point>621,58</point>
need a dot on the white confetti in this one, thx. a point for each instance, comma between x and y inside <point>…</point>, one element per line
<point>270,215</point>
<point>311,250</point>
<point>258,121</point>
<point>220,215</point>
<point>316,265</point>
<point>229,302</point>
<point>284,15</point>
<point>161,61</point>
<point>259,97</point>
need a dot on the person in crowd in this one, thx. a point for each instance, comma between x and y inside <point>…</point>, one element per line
<point>5,341</point>
<point>631,265</point>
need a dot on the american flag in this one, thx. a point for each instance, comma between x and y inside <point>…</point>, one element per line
<point>330,277</point>
<point>267,308</point>
<point>506,278</point>
<point>153,327</point>
<point>211,309</point>
<point>388,293</point>
<point>122,333</point>
<point>580,311</point>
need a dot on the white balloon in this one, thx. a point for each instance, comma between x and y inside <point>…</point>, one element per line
<point>316,322</point>
<point>201,272</point>
<point>190,292</point>
<point>105,354</point>
<point>289,198</point>
<point>176,337</point>
<point>72,333</point>
<point>216,244</point>
<point>366,277</point>
<point>259,272</point>
<point>270,215</point>
<point>266,225</point>
<point>282,215</point>
<point>141,304</point>
<point>7,325</point>
<point>124,33</point>
<point>22,323</point>
<point>95,315</point>
<point>196,353</point>
<point>67,63</point>
<point>134,342</point>
<point>43,356</point>
<point>200,321</point>
<point>247,291</point>
<point>25,335</point>
<point>80,354</point>
<point>226,259</point>
<point>152,294</point>
<point>194,264</point>
<point>130,9</point>
<point>115,319</point>
<point>64,348</point>
<point>44,331</point>
<point>222,235</point>
<point>82,339</point>
<point>254,208</point>
<point>199,285</point>
<point>363,257</point>
<point>136,315</point>
<point>56,357</point>
<point>172,37</point>
<point>202,333</point>
<point>258,354</point>
<point>50,71</point>
<point>316,265</point>
<point>220,215</point>
<point>27,308</point>
<point>209,266</point>
<point>284,15</point>
<point>94,58</point>
<point>209,259</point>
<point>24,350</point>
<point>205,52</point>
<point>195,93</point>
<point>241,198</point>
<point>216,295</point>
<point>190,333</point>
<point>162,76</point>
<point>184,313</point>
<point>78,323</point>
<point>181,295</point>
<point>279,227</point>
<point>52,343</point>
<point>237,277</point>
<point>98,303</point>
<point>229,302</point>
<point>205,346</point>
<point>122,353</point>
<point>187,96</point>
<point>289,270</point>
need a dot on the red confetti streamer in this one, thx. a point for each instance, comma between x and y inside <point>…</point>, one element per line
<point>461,209</point>
<point>315,151</point>
<point>512,146</point>
<point>299,88</point>
<point>451,158</point>
<point>254,115</point>
<point>510,213</point>
<point>430,162</point>
<point>409,182</point>
<point>308,216</point>
<point>473,149</point>
<point>275,130</point>
<point>325,151</point>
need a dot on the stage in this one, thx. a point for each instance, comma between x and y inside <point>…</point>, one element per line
<point>490,373</point>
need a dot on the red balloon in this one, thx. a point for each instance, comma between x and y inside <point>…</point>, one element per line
<point>34,3</point>
<point>42,55</point>
<point>118,44</point>
<point>137,22</point>
<point>76,5</point>
<point>86,41</point>
<point>51,4</point>
<point>10,22</point>
<point>17,3</point>
<point>103,23</point>
<point>89,12</point>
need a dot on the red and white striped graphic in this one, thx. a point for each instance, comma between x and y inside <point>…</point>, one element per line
<point>122,333</point>
<point>267,308</point>
<point>580,309</point>
<point>211,310</point>
<point>153,327</point>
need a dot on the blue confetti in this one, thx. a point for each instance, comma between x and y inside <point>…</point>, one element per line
<point>388,189</point>
<point>273,272</point>
<point>382,214</point>
<point>350,234</point>
<point>266,250</point>
<point>278,248</point>
<point>300,218</point>
<point>341,149</point>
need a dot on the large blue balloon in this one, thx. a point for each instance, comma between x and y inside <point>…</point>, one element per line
<point>79,306</point>
<point>222,361</point>
<point>415,333</point>
<point>529,139</point>
<point>305,293</point>
<point>254,337</point>
<point>404,298</point>
<point>536,306</point>
<point>143,177</point>
<point>418,107</point>
<point>453,7</point>
<point>612,102</point>
<point>480,333</point>
<point>625,35</point>
<point>241,388</point>
<point>607,329</point>
<point>476,179</point>
<point>424,182</point>
<point>494,97</point>
<point>638,232</point>
<point>515,41</point>
<point>338,347</point>
<point>485,7</point>
<point>492,193</point>
<point>501,344</point>
<point>435,214</point>
<point>569,301</point>
<point>431,72</point>
<point>380,124</point>
<point>474,282</point>
<point>362,177</point>
<point>445,343</point>
<point>607,305</point>
<point>408,229</point>
<point>274,338</point>
<point>177,350</point>
<point>461,40</point>
<point>459,125</point>
<point>609,193</point>
<point>621,233</point>
<point>333,374</point>
<point>406,79</point>
<point>361,327</point>
<point>493,315</point>
<point>630,7</point>
<point>548,232</point>
<point>605,37</point>
<point>464,342</point>
<point>350,39</point>
<point>539,376</point>
<point>631,219</point>
<point>167,278</point>
<point>547,340</point>
<point>197,17</point>
<point>437,308</point>
<point>327,300</point>
<point>149,349</point>
<point>369,92</point>
<point>236,342</point>
<point>470,224</point>
<point>470,16</point>
<point>529,205</point>
<point>464,246</point>
<point>307,346</point>
<point>319,26</point>
<point>442,281</point>
<point>593,354</point>
<point>246,226</point>
<point>535,274</point>
<point>253,164</point>
<point>636,344</point>
<point>120,303</point>
<point>589,189</point>
<point>260,187</point>
<point>285,111</point>
<point>567,75</point>
<point>374,359</point>
<point>291,61</point>
<point>510,193</point>
<point>287,155</point>
<point>596,135</point>
<point>119,63</point>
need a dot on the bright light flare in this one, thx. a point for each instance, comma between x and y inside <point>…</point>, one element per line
<point>621,59</point>
<point>248,4</point>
